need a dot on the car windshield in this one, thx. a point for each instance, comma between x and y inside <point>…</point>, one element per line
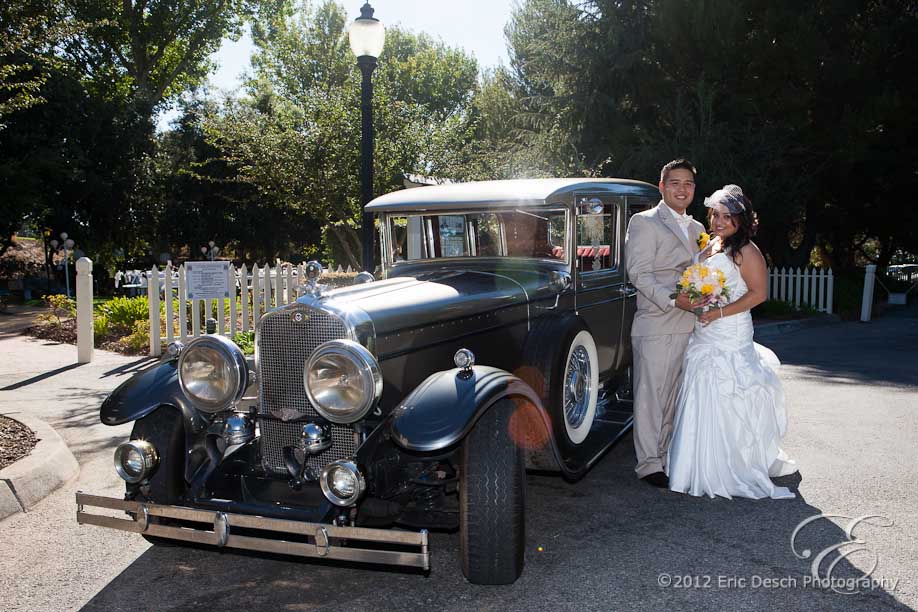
<point>527,233</point>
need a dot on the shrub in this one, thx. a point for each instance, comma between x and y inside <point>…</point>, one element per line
<point>246,341</point>
<point>140,336</point>
<point>100,326</point>
<point>60,307</point>
<point>124,312</point>
<point>777,309</point>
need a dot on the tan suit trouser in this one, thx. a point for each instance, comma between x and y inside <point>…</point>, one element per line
<point>657,373</point>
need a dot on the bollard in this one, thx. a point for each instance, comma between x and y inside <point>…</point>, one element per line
<point>870,277</point>
<point>85,333</point>
<point>153,300</point>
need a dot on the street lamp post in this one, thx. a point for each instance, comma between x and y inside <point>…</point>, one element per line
<point>210,251</point>
<point>367,36</point>
<point>66,245</point>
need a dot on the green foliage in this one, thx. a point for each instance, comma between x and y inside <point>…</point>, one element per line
<point>84,161</point>
<point>754,93</point>
<point>246,341</point>
<point>101,326</point>
<point>60,307</point>
<point>139,337</point>
<point>777,309</point>
<point>295,141</point>
<point>123,312</point>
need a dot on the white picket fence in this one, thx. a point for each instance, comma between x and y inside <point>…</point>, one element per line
<point>812,287</point>
<point>257,292</point>
<point>266,287</point>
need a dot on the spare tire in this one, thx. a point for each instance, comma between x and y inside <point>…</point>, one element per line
<point>562,366</point>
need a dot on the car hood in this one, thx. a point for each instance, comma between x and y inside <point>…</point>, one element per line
<point>436,297</point>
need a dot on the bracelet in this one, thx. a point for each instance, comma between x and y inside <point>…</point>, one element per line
<point>721,312</point>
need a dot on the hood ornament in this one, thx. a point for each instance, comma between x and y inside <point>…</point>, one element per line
<point>313,271</point>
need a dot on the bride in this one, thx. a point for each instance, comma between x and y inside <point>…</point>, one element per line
<point>730,413</point>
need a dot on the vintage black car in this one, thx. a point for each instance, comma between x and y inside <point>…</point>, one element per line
<point>497,340</point>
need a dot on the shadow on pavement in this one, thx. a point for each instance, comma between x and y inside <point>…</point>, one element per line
<point>882,351</point>
<point>131,368</point>
<point>40,377</point>
<point>607,542</point>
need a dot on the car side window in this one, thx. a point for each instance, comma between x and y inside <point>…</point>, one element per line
<point>638,204</point>
<point>597,233</point>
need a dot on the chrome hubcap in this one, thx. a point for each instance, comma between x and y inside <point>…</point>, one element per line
<point>577,387</point>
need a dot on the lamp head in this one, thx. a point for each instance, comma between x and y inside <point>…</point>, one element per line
<point>367,34</point>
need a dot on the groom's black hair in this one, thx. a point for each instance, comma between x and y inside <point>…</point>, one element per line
<point>678,163</point>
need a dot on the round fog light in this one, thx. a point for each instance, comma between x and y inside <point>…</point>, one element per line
<point>136,460</point>
<point>342,483</point>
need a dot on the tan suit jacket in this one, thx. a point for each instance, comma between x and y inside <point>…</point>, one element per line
<point>656,254</point>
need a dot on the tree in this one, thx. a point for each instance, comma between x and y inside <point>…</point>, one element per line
<point>796,103</point>
<point>112,66</point>
<point>295,139</point>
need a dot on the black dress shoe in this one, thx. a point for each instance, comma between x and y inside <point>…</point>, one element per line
<point>657,479</point>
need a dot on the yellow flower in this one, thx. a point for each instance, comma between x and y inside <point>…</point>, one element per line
<point>707,289</point>
<point>703,240</point>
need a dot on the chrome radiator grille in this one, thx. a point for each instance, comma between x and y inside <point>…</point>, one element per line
<point>284,345</point>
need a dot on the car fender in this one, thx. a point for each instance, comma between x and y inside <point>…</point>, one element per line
<point>445,407</point>
<point>146,391</point>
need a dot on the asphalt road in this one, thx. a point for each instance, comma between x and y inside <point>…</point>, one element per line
<point>607,542</point>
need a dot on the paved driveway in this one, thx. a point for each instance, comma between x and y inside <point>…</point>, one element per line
<point>607,542</point>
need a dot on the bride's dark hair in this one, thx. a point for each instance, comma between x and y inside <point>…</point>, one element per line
<point>745,219</point>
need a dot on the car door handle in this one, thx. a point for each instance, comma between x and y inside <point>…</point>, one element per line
<point>628,291</point>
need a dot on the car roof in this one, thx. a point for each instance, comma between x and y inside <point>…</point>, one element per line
<point>508,193</point>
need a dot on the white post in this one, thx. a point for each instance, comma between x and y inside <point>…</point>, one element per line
<point>231,281</point>
<point>244,296</point>
<point>798,282</point>
<point>783,286</point>
<point>85,331</point>
<point>821,304</point>
<point>182,305</point>
<point>807,272</point>
<point>256,300</point>
<point>813,289</point>
<point>291,288</point>
<point>153,298</point>
<point>867,302</point>
<point>167,281</point>
<point>267,286</point>
<point>278,284</point>
<point>830,291</point>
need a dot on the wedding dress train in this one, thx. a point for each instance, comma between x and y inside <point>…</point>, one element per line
<point>730,414</point>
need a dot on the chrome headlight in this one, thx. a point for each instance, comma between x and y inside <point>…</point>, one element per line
<point>136,460</point>
<point>212,373</point>
<point>342,380</point>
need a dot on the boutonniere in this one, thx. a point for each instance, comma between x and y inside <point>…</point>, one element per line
<point>703,240</point>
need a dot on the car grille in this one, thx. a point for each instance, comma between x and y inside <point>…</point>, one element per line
<point>284,345</point>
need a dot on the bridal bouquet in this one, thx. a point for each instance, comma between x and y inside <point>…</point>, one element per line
<point>704,284</point>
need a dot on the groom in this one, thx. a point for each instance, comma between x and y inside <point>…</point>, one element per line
<point>659,246</point>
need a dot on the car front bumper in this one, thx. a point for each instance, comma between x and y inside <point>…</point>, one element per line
<point>314,540</point>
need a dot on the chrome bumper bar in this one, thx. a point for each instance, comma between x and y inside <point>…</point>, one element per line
<point>323,541</point>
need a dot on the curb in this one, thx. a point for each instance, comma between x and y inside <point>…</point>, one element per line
<point>32,478</point>
<point>767,330</point>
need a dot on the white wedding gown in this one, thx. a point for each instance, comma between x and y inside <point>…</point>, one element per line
<point>730,413</point>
